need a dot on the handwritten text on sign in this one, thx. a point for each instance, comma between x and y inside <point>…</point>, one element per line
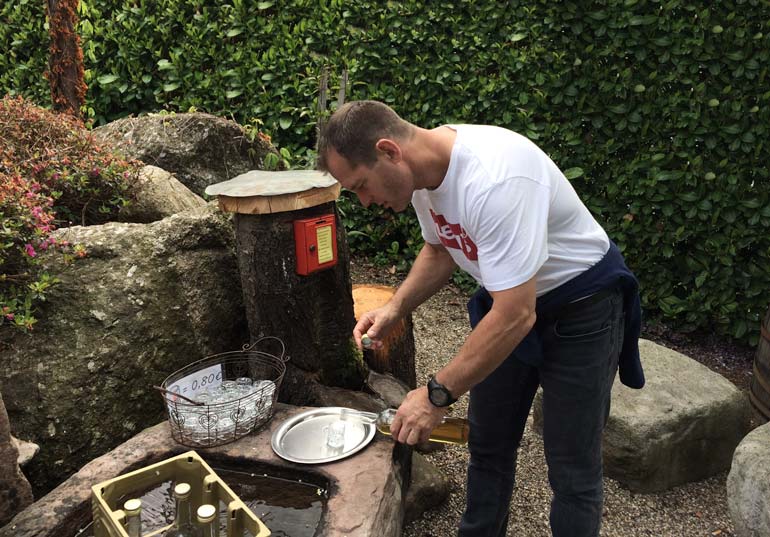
<point>205,379</point>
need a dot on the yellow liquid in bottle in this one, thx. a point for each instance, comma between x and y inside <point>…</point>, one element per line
<point>450,431</point>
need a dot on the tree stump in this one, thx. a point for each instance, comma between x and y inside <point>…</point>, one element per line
<point>397,353</point>
<point>312,314</point>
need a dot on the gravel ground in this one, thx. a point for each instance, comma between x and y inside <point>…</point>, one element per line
<point>696,509</point>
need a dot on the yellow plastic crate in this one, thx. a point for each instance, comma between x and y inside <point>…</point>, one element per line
<point>206,487</point>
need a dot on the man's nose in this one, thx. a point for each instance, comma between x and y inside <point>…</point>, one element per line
<point>365,200</point>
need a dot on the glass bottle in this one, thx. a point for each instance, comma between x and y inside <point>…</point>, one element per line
<point>133,509</point>
<point>451,430</point>
<point>208,520</point>
<point>183,524</point>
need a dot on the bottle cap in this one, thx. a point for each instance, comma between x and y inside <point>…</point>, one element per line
<point>366,341</point>
<point>206,512</point>
<point>182,490</point>
<point>132,506</point>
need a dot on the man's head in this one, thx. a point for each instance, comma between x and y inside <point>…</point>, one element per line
<point>362,147</point>
<point>354,130</point>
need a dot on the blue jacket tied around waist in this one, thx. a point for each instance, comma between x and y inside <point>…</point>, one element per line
<point>610,271</point>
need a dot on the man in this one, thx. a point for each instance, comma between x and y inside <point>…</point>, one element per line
<point>557,308</point>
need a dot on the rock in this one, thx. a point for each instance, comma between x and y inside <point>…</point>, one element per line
<point>748,485</point>
<point>333,396</point>
<point>159,194</point>
<point>147,300</point>
<point>366,491</point>
<point>683,426</point>
<point>15,492</point>
<point>27,450</point>
<point>429,488</point>
<point>199,149</point>
<point>387,387</point>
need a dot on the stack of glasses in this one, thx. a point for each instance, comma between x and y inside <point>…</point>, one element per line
<point>230,408</point>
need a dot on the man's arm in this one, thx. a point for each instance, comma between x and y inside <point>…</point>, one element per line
<point>430,271</point>
<point>511,318</point>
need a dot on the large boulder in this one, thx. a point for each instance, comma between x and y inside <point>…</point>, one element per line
<point>159,194</point>
<point>683,426</point>
<point>15,492</point>
<point>147,300</point>
<point>199,149</point>
<point>748,485</point>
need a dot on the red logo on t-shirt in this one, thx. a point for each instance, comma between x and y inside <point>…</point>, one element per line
<point>454,236</point>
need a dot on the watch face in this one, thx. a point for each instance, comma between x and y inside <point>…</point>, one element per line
<point>439,397</point>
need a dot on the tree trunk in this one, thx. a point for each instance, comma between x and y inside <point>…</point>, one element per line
<point>397,353</point>
<point>65,66</point>
<point>313,314</point>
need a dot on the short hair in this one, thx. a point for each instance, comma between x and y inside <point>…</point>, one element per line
<point>354,129</point>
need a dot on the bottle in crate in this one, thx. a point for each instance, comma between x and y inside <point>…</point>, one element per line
<point>208,520</point>
<point>133,509</point>
<point>183,523</point>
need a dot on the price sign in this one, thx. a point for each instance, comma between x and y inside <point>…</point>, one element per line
<point>205,379</point>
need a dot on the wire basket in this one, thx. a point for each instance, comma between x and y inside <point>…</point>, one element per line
<point>203,407</point>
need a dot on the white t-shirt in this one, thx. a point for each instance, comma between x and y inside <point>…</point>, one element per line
<point>506,213</point>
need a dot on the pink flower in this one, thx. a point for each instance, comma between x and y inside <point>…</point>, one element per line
<point>9,316</point>
<point>30,250</point>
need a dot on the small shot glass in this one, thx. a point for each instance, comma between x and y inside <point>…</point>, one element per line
<point>335,434</point>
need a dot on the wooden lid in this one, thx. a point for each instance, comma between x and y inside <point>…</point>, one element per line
<point>262,192</point>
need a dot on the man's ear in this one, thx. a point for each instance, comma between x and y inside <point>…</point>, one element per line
<point>390,148</point>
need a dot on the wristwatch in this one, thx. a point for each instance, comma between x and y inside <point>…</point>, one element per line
<point>438,394</point>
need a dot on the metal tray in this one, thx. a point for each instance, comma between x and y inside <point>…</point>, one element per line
<point>302,439</point>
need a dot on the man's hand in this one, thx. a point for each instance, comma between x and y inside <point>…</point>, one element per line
<point>416,418</point>
<point>376,324</point>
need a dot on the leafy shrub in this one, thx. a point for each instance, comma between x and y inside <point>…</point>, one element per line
<point>659,111</point>
<point>380,234</point>
<point>51,174</point>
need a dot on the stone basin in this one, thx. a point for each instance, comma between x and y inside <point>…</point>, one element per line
<point>365,491</point>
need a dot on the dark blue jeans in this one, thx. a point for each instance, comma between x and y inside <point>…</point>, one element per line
<point>581,350</point>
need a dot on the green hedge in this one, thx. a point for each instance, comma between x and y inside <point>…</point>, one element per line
<point>658,110</point>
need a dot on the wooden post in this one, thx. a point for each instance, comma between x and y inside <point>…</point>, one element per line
<point>397,353</point>
<point>313,314</point>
